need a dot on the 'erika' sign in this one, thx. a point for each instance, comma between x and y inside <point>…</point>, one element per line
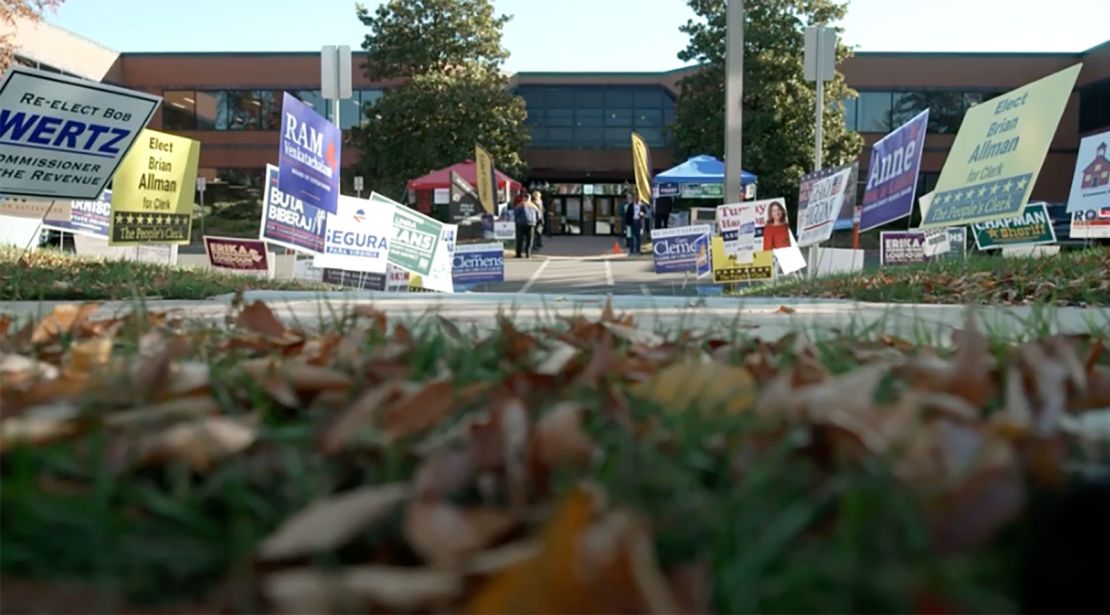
<point>63,138</point>
<point>308,155</point>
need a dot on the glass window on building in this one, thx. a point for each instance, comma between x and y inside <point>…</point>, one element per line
<point>179,110</point>
<point>1094,107</point>
<point>649,118</point>
<point>618,137</point>
<point>350,113</point>
<point>850,106</point>
<point>589,137</point>
<point>647,98</point>
<point>313,99</point>
<point>589,117</point>
<point>618,117</point>
<point>534,117</point>
<point>874,112</point>
<point>269,109</point>
<point>590,97</point>
<point>560,117</point>
<point>619,97</point>
<point>211,110</point>
<point>906,105</point>
<point>244,110</point>
<point>654,136</point>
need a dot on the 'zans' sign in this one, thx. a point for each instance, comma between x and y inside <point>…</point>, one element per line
<point>63,138</point>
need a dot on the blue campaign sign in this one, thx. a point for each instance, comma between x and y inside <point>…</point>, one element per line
<point>703,262</point>
<point>478,264</point>
<point>87,217</point>
<point>682,249</point>
<point>892,174</point>
<point>290,222</point>
<point>308,156</point>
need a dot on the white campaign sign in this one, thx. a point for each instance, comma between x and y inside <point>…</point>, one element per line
<point>63,138</point>
<point>1090,187</point>
<point>440,278</point>
<point>358,236</point>
<point>504,230</point>
<point>816,222</point>
<point>937,242</point>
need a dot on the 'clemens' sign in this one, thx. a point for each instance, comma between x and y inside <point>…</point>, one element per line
<point>63,138</point>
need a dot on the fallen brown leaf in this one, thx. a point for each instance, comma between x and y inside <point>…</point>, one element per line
<point>259,318</point>
<point>377,588</point>
<point>708,387</point>
<point>199,443</point>
<point>39,425</point>
<point>63,319</point>
<point>445,535</point>
<point>332,522</point>
<point>419,411</point>
<point>560,439</point>
<point>785,310</point>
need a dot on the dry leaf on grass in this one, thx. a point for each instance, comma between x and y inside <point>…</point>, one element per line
<point>257,317</point>
<point>419,411</point>
<point>332,522</point>
<point>708,387</point>
<point>89,355</point>
<point>560,439</point>
<point>358,588</point>
<point>39,425</point>
<point>445,535</point>
<point>785,310</point>
<point>62,320</point>
<point>199,443</point>
<point>162,414</point>
<point>358,417</point>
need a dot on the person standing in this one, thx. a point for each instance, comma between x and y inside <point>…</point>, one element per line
<point>541,222</point>
<point>636,226</point>
<point>525,217</point>
<point>663,213</point>
<point>626,218</point>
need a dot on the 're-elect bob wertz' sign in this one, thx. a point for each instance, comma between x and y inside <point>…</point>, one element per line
<point>1031,228</point>
<point>998,153</point>
<point>236,254</point>
<point>308,156</point>
<point>63,138</point>
<point>357,237</point>
<point>680,250</point>
<point>474,264</point>
<point>290,222</point>
<point>89,218</point>
<point>892,174</point>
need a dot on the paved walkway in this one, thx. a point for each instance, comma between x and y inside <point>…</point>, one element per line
<point>761,317</point>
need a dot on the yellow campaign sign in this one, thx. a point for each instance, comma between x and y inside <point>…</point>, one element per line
<point>998,153</point>
<point>641,164</point>
<point>487,192</point>
<point>726,269</point>
<point>152,191</point>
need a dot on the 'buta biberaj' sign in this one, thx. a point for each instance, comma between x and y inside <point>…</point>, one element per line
<point>63,138</point>
<point>308,155</point>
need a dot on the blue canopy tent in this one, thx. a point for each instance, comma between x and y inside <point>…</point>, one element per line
<point>697,171</point>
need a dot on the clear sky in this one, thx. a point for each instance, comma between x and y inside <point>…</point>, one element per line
<point>583,35</point>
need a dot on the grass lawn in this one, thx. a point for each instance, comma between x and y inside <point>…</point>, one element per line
<point>1074,277</point>
<point>378,466</point>
<point>46,275</point>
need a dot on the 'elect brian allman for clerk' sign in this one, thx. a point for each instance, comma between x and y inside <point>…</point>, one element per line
<point>63,138</point>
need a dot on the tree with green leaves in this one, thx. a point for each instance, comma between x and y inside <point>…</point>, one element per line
<point>446,56</point>
<point>779,105</point>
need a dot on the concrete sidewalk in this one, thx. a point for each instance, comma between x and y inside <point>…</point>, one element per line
<point>760,317</point>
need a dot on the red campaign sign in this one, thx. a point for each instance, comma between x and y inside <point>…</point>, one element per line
<point>237,254</point>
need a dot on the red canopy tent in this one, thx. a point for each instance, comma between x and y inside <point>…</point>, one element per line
<point>423,188</point>
<point>468,170</point>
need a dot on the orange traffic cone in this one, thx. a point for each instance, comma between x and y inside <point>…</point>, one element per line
<point>616,247</point>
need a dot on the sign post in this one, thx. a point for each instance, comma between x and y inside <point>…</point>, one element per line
<point>335,76</point>
<point>819,66</point>
<point>201,184</point>
<point>358,186</point>
<point>734,98</point>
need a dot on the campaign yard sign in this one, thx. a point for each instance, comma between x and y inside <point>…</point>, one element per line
<point>475,264</point>
<point>308,155</point>
<point>64,138</point>
<point>680,250</point>
<point>1090,224</point>
<point>153,190</point>
<point>439,277</point>
<point>504,230</point>
<point>91,218</point>
<point>1090,186</point>
<point>998,152</point>
<point>1033,227</point>
<point>901,248</point>
<point>56,210</point>
<point>728,270</point>
<point>465,202</point>
<point>820,200</point>
<point>892,174</point>
<point>737,224</point>
<point>237,254</point>
<point>415,237</point>
<point>358,236</point>
<point>290,222</point>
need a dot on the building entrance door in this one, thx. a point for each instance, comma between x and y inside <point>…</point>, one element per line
<point>569,209</point>
<point>606,216</point>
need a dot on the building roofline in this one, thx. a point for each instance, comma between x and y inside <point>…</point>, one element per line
<point>571,74</point>
<point>1098,47</point>
<point>49,22</point>
<point>967,54</point>
<point>202,54</point>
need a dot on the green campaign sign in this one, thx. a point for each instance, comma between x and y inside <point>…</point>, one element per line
<point>1033,227</point>
<point>415,238</point>
<point>998,153</point>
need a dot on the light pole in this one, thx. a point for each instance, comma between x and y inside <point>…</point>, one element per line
<point>734,97</point>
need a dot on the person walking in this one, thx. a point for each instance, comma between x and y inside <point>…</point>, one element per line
<point>626,219</point>
<point>541,223</point>
<point>525,216</point>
